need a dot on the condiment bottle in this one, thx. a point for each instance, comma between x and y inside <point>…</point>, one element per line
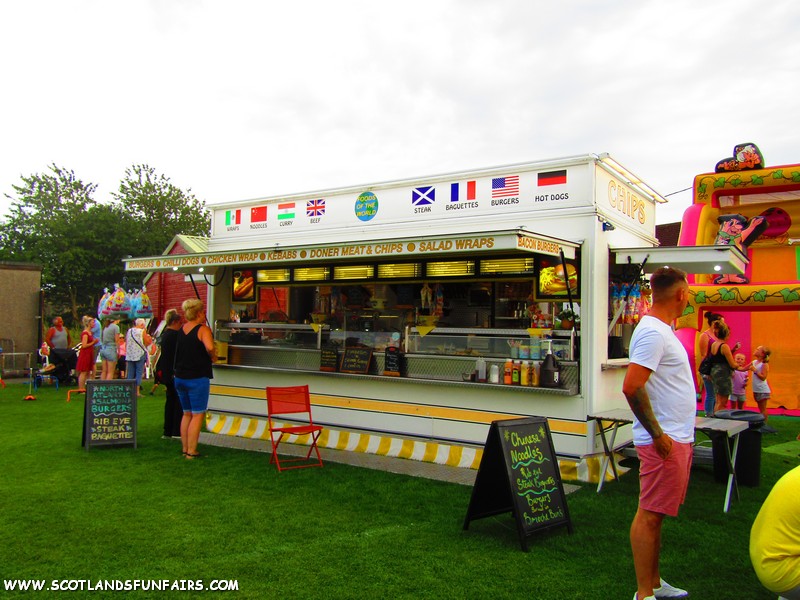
<point>494,374</point>
<point>480,367</point>
<point>549,374</point>
<point>525,373</point>
<point>507,369</point>
<point>515,369</point>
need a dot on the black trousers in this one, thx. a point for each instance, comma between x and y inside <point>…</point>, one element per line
<point>172,411</point>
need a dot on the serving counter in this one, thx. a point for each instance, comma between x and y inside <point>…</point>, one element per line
<point>446,355</point>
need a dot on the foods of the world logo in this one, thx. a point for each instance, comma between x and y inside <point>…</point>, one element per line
<point>366,206</point>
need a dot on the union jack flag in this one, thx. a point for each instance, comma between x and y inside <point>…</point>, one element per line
<point>315,208</point>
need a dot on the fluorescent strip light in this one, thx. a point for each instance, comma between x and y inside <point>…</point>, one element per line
<point>272,275</point>
<point>507,265</point>
<point>312,274</point>
<point>451,268</point>
<point>399,270</point>
<point>354,272</point>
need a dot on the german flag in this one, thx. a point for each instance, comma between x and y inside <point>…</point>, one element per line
<point>553,178</point>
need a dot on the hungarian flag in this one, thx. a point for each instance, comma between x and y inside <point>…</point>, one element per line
<point>258,214</point>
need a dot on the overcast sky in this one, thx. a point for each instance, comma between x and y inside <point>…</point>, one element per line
<point>239,99</point>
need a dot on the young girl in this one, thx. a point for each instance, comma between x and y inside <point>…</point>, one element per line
<point>740,378</point>
<point>760,368</point>
<point>85,366</point>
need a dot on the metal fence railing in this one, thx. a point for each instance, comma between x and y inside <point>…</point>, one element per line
<point>14,364</point>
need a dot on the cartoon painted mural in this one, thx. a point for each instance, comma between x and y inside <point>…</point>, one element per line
<point>757,209</point>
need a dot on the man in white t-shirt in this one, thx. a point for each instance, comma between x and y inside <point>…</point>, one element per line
<point>659,387</point>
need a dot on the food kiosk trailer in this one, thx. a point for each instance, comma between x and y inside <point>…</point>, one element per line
<point>419,311</point>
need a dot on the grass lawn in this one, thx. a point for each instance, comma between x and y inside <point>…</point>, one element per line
<point>335,532</point>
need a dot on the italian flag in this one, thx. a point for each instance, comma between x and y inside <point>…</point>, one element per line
<point>285,211</point>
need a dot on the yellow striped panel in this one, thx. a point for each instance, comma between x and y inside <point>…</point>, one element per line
<point>454,456</point>
<point>587,469</point>
<point>409,409</point>
<point>431,451</point>
<point>384,446</point>
<point>362,444</point>
<point>252,426</point>
<point>407,449</point>
<point>344,439</point>
<point>235,424</point>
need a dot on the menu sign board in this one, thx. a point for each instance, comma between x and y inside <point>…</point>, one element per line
<point>356,360</point>
<point>392,362</point>
<point>328,358</point>
<point>110,413</point>
<point>519,473</point>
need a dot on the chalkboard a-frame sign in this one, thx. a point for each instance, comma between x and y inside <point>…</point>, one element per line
<point>109,414</point>
<point>519,473</point>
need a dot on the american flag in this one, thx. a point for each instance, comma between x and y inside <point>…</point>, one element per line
<point>315,208</point>
<point>505,186</point>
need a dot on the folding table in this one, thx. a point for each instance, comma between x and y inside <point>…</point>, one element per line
<point>711,427</point>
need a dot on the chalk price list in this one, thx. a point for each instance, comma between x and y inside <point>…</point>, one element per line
<point>534,478</point>
<point>111,414</point>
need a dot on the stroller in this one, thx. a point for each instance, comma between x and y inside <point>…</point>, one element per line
<point>62,365</point>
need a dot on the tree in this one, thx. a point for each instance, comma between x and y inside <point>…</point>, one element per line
<point>80,243</point>
<point>48,225</point>
<point>159,210</point>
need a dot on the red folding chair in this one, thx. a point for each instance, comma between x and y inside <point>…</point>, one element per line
<point>292,402</point>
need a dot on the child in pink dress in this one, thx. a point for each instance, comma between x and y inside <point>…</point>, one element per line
<point>739,380</point>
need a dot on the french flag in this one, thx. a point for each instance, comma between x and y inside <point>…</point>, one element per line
<point>462,191</point>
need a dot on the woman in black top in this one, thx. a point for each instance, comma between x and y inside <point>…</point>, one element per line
<point>194,355</point>
<point>723,365</point>
<point>173,414</point>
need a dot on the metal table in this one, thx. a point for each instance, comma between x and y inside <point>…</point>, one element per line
<point>619,417</point>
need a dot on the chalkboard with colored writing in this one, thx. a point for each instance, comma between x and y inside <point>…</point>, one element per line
<point>392,362</point>
<point>356,360</point>
<point>328,358</point>
<point>110,413</point>
<point>519,474</point>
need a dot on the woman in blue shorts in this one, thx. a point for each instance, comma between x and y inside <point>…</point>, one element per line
<point>194,355</point>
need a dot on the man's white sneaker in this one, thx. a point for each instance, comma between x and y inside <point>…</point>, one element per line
<point>669,591</point>
<point>636,597</point>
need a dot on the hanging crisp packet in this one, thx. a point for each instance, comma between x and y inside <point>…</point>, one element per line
<point>140,305</point>
<point>145,309</point>
<point>119,306</point>
<point>135,303</point>
<point>102,306</point>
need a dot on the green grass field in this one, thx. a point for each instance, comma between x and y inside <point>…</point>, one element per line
<point>336,532</point>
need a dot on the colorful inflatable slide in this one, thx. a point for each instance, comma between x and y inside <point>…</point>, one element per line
<point>757,209</point>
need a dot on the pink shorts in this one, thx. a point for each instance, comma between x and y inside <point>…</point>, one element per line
<point>663,482</point>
